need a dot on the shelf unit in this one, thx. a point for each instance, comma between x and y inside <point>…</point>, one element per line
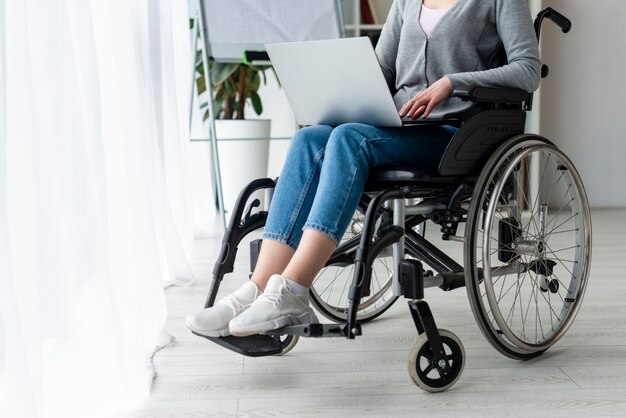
<point>353,24</point>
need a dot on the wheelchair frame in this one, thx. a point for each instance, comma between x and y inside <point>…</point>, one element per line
<point>488,145</point>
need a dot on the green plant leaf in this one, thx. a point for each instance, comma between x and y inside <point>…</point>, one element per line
<point>219,95</point>
<point>260,67</point>
<point>217,109</point>
<point>254,81</point>
<point>220,72</point>
<point>256,102</point>
<point>276,76</point>
<point>229,88</point>
<point>201,85</point>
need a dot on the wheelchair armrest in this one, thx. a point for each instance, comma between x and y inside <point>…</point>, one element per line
<point>490,95</point>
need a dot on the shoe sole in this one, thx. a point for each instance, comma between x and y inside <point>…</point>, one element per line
<point>283,321</point>
<point>209,333</point>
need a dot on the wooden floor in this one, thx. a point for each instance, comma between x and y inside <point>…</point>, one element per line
<point>583,375</point>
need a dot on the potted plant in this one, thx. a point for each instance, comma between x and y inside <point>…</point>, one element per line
<point>233,85</point>
<point>243,144</point>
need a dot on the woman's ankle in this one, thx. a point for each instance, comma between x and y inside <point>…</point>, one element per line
<point>296,287</point>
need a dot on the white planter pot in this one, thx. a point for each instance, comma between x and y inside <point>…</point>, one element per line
<point>243,150</point>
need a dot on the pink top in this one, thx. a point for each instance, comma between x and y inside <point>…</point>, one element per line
<point>430,17</point>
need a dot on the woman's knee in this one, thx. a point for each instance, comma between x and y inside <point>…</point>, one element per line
<point>349,137</point>
<point>312,138</point>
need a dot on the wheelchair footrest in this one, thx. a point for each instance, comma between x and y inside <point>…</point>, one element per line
<point>251,346</point>
<point>313,330</point>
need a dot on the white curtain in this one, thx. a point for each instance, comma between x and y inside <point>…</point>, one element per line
<point>93,199</point>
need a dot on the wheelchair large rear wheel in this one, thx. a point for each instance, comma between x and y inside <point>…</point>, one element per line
<point>330,289</point>
<point>527,246</point>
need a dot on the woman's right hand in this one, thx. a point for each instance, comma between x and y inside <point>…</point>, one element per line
<point>425,101</point>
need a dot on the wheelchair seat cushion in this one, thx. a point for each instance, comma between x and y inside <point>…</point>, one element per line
<point>389,177</point>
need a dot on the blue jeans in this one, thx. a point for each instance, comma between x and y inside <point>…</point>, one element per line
<point>326,169</point>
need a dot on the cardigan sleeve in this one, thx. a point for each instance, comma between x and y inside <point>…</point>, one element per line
<point>387,46</point>
<point>523,70</point>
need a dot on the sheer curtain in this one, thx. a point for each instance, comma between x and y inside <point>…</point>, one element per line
<point>93,199</point>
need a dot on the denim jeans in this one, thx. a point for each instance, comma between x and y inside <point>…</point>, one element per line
<point>326,169</point>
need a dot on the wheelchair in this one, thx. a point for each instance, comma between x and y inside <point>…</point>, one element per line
<point>526,242</point>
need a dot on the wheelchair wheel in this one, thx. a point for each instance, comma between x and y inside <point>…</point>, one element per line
<point>330,289</point>
<point>527,247</point>
<point>288,342</point>
<point>422,368</point>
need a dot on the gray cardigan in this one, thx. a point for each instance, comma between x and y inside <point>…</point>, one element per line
<point>489,43</point>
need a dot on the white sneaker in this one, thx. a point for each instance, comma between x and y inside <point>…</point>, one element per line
<point>213,322</point>
<point>277,307</point>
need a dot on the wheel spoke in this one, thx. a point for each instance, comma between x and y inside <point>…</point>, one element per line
<point>534,204</point>
<point>428,369</point>
<point>556,218</point>
<point>331,286</point>
<point>550,306</point>
<point>561,285</point>
<point>561,224</point>
<point>509,289</point>
<point>563,249</point>
<point>518,286</point>
<point>530,299</point>
<point>343,289</point>
<point>561,262</point>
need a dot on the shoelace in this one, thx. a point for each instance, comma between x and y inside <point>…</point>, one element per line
<point>274,298</point>
<point>232,302</point>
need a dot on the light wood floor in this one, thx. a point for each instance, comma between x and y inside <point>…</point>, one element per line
<point>583,375</point>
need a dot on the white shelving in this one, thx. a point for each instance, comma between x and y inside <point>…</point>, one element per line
<point>352,16</point>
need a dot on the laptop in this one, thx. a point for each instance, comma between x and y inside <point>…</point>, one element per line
<point>334,81</point>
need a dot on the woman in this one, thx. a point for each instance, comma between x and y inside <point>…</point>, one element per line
<point>426,50</point>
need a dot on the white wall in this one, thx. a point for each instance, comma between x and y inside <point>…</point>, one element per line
<point>582,101</point>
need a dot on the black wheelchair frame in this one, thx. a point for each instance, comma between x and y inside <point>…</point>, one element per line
<point>483,159</point>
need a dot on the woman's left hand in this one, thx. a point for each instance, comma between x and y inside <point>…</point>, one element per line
<point>425,101</point>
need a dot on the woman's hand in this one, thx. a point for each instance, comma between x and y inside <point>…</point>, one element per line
<point>425,101</point>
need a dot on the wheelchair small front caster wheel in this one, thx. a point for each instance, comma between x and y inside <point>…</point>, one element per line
<point>288,342</point>
<point>423,370</point>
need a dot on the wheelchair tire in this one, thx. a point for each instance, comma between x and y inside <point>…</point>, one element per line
<point>330,289</point>
<point>425,373</point>
<point>527,251</point>
<point>288,342</point>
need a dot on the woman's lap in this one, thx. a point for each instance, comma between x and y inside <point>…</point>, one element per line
<point>326,169</point>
